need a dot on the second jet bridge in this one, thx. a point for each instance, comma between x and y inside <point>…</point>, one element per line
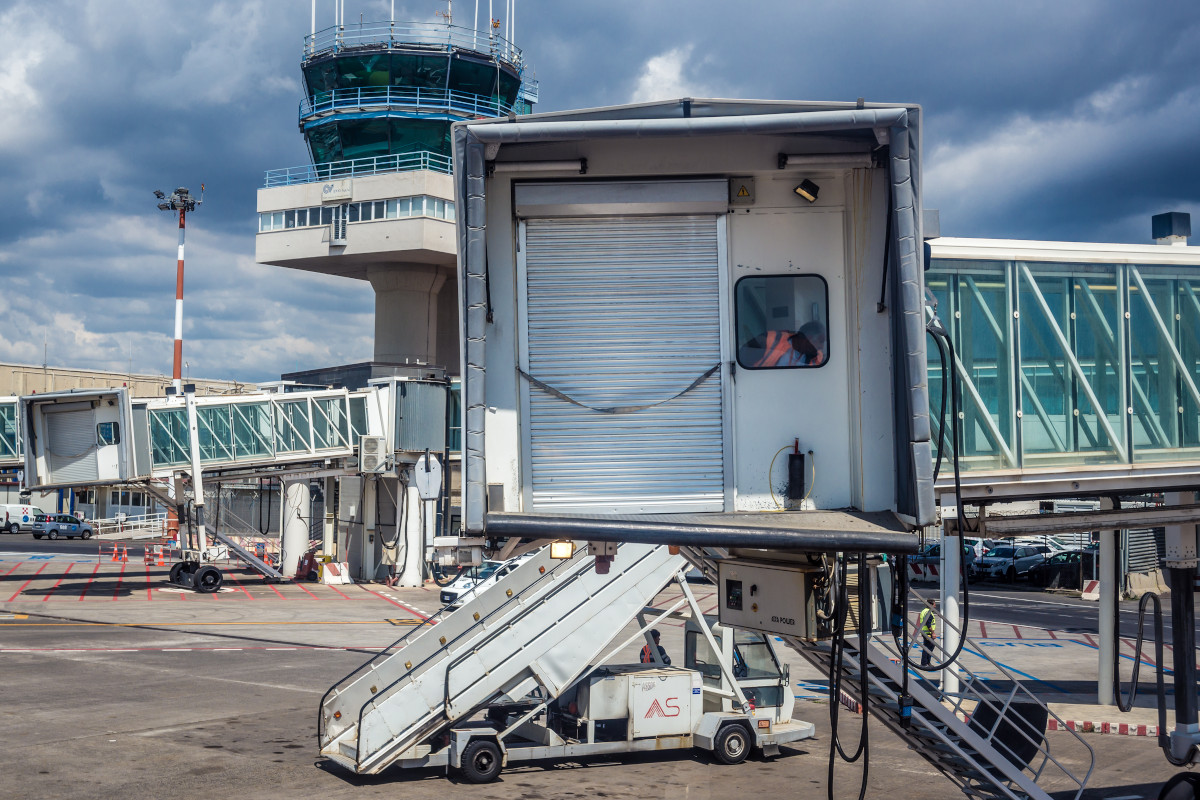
<point>102,436</point>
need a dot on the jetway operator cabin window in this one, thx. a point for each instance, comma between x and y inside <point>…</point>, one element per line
<point>782,321</point>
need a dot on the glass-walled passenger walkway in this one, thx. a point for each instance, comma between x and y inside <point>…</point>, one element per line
<point>1069,354</point>
<point>10,433</point>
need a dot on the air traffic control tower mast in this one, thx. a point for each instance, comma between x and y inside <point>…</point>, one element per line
<point>377,202</point>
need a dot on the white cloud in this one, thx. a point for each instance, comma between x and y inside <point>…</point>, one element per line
<point>662,78</point>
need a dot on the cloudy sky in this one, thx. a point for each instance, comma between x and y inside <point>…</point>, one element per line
<point>1046,119</point>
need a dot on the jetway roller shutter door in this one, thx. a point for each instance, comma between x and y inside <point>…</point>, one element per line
<point>1145,549</point>
<point>623,312</point>
<point>72,447</point>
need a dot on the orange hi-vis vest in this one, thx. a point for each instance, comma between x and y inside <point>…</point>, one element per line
<point>778,345</point>
<point>647,657</point>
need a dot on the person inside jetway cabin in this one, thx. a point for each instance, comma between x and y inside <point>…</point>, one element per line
<point>647,657</point>
<point>804,348</point>
<point>927,623</point>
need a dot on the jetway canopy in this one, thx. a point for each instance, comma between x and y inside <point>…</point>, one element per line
<point>627,209</point>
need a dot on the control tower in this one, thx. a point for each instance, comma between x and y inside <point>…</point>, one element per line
<point>377,201</point>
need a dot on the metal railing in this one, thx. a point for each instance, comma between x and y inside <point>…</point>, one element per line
<point>359,167</point>
<point>323,103</point>
<point>338,39</point>
<point>146,526</point>
<point>985,709</point>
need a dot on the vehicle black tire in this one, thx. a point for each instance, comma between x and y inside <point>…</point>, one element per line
<point>1184,786</point>
<point>85,535</point>
<point>177,570</point>
<point>52,535</point>
<point>207,579</point>
<point>732,745</point>
<point>481,761</point>
<point>1011,575</point>
<point>37,536</point>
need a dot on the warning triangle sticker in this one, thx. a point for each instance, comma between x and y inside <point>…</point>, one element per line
<point>743,191</point>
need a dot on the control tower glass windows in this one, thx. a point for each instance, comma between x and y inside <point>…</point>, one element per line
<point>368,211</point>
<point>364,138</point>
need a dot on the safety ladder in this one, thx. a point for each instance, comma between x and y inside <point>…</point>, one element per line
<point>540,626</point>
<point>991,742</point>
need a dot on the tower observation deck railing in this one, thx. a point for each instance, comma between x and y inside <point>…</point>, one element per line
<point>358,167</point>
<point>336,40</point>
<point>1092,358</point>
<point>426,100</point>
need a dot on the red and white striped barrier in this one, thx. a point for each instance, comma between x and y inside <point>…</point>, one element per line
<point>1113,728</point>
<point>1091,590</point>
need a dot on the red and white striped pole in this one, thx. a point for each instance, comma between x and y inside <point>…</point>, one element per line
<point>177,369</point>
<point>181,200</point>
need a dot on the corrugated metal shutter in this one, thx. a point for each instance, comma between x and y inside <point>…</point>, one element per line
<point>72,439</point>
<point>624,311</point>
<point>1144,549</point>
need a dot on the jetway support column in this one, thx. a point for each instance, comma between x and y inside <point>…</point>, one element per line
<point>294,539</point>
<point>1110,594</point>
<point>1181,560</point>
<point>410,570</point>
<point>329,528</point>
<point>952,631</point>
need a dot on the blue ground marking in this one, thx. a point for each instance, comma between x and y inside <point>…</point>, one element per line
<point>1166,670</point>
<point>815,691</point>
<point>1018,672</point>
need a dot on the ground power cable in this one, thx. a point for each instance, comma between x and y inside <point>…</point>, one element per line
<point>946,350</point>
<point>1164,740</point>
<point>837,652</point>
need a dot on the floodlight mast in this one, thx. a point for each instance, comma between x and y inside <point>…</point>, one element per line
<point>180,200</point>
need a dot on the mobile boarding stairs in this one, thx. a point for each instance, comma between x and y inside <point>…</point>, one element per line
<point>540,628</point>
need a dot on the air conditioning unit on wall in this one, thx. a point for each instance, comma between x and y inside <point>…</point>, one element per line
<point>372,455</point>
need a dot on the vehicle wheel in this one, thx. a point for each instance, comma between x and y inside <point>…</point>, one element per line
<point>37,536</point>
<point>481,761</point>
<point>207,579</point>
<point>176,571</point>
<point>1184,786</point>
<point>733,745</point>
<point>52,535</point>
<point>85,535</point>
<point>1011,575</point>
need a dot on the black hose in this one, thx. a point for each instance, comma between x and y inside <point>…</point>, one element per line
<point>941,447</point>
<point>835,675</point>
<point>939,333</point>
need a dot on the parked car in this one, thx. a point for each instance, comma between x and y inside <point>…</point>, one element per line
<point>933,555</point>
<point>1009,561</point>
<point>1065,570</point>
<point>54,526</point>
<point>980,546</point>
<point>471,581</point>
<point>17,517</point>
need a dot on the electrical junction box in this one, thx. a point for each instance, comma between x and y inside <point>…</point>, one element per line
<point>771,599</point>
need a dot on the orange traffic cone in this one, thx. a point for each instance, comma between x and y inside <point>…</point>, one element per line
<point>115,556</point>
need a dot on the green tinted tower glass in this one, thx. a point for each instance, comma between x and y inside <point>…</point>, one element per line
<point>390,89</point>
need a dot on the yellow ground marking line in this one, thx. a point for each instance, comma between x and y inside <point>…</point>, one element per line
<point>195,624</point>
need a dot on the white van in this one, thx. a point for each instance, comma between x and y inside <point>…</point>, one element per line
<point>18,517</point>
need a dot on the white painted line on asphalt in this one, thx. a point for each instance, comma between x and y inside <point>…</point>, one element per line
<point>13,651</point>
<point>122,650</point>
<point>1011,598</point>
<point>279,648</point>
<point>71,651</point>
<point>177,650</point>
<point>226,649</point>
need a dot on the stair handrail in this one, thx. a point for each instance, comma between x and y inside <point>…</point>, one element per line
<point>983,694</point>
<point>541,602</point>
<point>386,691</point>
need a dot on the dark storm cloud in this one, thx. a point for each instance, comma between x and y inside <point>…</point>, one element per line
<point>1042,120</point>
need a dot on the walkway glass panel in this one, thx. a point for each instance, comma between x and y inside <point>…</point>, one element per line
<point>257,429</point>
<point>1070,362</point>
<point>10,431</point>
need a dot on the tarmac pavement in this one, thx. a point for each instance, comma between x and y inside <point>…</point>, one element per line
<point>118,686</point>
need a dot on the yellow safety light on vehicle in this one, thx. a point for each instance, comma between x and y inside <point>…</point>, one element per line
<point>562,549</point>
